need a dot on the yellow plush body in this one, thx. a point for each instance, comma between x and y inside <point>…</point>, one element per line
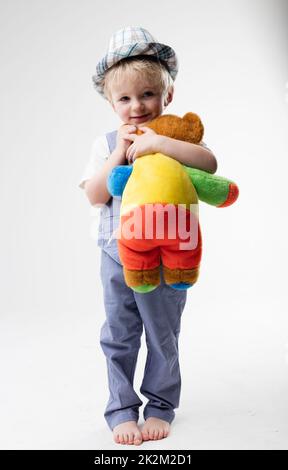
<point>149,183</point>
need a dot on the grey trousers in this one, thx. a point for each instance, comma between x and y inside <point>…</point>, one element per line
<point>120,338</point>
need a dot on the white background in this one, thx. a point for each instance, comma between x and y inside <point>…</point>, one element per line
<point>234,339</point>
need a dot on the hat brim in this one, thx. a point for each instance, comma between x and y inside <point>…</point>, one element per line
<point>162,52</point>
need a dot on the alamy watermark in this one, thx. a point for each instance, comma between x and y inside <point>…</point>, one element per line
<point>150,222</point>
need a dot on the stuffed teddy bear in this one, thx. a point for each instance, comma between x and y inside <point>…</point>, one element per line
<point>159,210</point>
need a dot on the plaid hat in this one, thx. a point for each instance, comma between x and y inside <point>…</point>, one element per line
<point>134,41</point>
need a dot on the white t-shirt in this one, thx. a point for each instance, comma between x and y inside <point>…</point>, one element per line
<point>98,156</point>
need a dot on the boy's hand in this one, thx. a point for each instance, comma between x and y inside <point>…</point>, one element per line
<point>122,143</point>
<point>142,144</point>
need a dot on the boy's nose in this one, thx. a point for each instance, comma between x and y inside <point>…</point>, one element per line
<point>137,107</point>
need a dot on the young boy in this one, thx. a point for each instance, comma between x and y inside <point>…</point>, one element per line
<point>136,76</point>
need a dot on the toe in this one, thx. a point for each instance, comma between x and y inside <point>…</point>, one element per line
<point>156,434</point>
<point>145,436</point>
<point>161,434</point>
<point>137,439</point>
<point>131,438</point>
<point>151,434</point>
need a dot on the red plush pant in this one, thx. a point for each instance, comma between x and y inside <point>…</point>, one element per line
<point>167,241</point>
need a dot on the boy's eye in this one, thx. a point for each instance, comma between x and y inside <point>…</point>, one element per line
<point>146,93</point>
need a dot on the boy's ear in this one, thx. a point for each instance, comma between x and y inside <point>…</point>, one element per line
<point>169,96</point>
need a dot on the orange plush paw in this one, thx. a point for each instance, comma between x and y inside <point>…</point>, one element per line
<point>232,195</point>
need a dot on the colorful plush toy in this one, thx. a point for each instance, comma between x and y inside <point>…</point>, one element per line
<point>159,210</point>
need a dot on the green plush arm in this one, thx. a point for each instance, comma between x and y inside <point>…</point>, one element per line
<point>212,189</point>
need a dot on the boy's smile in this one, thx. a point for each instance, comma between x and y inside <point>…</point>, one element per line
<point>140,119</point>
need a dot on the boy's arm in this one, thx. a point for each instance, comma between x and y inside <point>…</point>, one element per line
<point>192,155</point>
<point>96,187</point>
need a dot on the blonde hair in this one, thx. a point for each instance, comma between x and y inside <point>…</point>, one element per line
<point>148,67</point>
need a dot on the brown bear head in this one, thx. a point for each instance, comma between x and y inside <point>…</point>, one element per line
<point>188,128</point>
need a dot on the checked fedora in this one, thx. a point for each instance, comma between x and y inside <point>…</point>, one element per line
<point>133,41</point>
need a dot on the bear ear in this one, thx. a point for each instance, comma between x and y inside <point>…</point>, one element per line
<point>195,125</point>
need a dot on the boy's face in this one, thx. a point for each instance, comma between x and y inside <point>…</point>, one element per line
<point>137,101</point>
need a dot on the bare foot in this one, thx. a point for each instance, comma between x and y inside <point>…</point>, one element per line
<point>154,429</point>
<point>127,433</point>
